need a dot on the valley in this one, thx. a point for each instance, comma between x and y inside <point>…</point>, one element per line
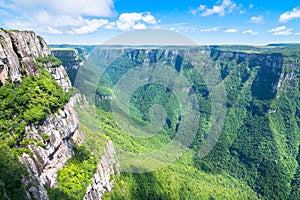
<point>256,153</point>
<point>148,122</point>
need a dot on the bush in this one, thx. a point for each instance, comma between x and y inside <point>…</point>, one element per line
<point>55,62</point>
<point>75,177</point>
<point>31,102</point>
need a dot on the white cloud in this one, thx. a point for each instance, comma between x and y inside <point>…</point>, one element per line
<point>231,30</point>
<point>56,20</point>
<point>53,31</point>
<point>72,17</point>
<point>297,33</point>
<point>277,29</point>
<point>91,26</point>
<point>289,15</point>
<point>227,6</point>
<point>250,32</point>
<point>257,19</point>
<point>134,20</point>
<point>281,30</point>
<point>139,26</point>
<point>110,25</point>
<point>29,25</point>
<point>96,8</point>
<point>214,29</point>
<point>59,16</point>
<point>148,18</point>
<point>6,5</point>
<point>44,22</point>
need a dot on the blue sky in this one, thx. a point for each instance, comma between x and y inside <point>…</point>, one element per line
<point>205,21</point>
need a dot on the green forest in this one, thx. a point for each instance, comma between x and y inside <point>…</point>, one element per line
<point>255,157</point>
<point>257,154</point>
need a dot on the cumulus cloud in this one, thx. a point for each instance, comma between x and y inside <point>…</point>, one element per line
<point>134,20</point>
<point>257,19</point>
<point>231,30</point>
<point>281,30</point>
<point>148,18</point>
<point>289,15</point>
<point>250,32</point>
<point>221,8</point>
<point>110,25</point>
<point>72,17</point>
<point>214,29</point>
<point>90,27</point>
<point>96,8</point>
<point>43,22</point>
<point>57,16</point>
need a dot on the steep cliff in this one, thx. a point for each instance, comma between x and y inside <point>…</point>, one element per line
<point>106,169</point>
<point>259,142</point>
<point>18,52</point>
<point>47,130</point>
<point>60,129</point>
<point>70,60</point>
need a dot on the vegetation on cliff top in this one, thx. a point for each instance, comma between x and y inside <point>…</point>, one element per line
<point>29,102</point>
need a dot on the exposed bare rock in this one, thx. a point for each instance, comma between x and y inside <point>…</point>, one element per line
<point>60,76</point>
<point>51,141</point>
<point>44,163</point>
<point>30,66</point>
<point>102,181</point>
<point>9,61</point>
<point>28,44</point>
<point>18,51</point>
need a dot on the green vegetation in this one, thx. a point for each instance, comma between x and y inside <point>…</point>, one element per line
<point>259,143</point>
<point>75,177</point>
<point>181,180</point>
<point>53,61</point>
<point>256,157</point>
<point>11,186</point>
<point>28,103</point>
<point>258,150</point>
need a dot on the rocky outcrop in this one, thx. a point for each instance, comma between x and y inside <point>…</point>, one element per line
<point>68,56</point>
<point>102,181</point>
<point>70,60</point>
<point>50,143</point>
<point>53,152</point>
<point>9,62</point>
<point>60,76</point>
<point>17,53</point>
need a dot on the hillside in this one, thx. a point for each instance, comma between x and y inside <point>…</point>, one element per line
<point>41,139</point>
<point>258,147</point>
<point>207,122</point>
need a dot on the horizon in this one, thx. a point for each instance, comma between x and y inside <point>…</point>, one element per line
<point>196,45</point>
<point>219,22</point>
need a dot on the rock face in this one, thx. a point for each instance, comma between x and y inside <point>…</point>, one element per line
<point>47,160</point>
<point>102,181</point>
<point>60,76</point>
<point>18,51</point>
<point>52,140</point>
<point>68,56</point>
<point>70,60</point>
